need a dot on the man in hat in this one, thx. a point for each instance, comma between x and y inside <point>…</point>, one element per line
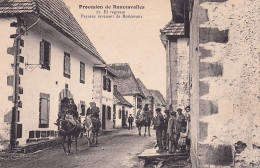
<point>165,135</point>
<point>130,121</point>
<point>172,132</point>
<point>187,117</point>
<point>180,122</point>
<point>93,113</point>
<point>159,127</point>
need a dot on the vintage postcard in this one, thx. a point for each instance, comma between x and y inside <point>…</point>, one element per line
<point>129,83</point>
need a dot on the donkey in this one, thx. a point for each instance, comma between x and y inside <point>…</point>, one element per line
<point>70,128</point>
<point>144,120</point>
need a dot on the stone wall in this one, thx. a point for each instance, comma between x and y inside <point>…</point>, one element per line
<point>177,72</point>
<point>224,69</point>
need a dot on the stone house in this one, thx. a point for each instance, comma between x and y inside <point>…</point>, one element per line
<point>159,101</point>
<point>127,85</point>
<point>148,96</point>
<point>51,62</point>
<point>103,94</point>
<point>121,107</point>
<point>223,80</point>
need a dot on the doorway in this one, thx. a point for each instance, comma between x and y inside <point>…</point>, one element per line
<point>103,117</point>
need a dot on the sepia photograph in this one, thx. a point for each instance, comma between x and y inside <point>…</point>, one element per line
<point>130,83</point>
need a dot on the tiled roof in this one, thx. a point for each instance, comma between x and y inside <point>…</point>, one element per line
<point>126,81</point>
<point>158,97</point>
<point>120,99</point>
<point>173,28</point>
<point>55,13</point>
<point>143,88</point>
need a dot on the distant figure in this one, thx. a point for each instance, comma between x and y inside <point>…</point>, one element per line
<point>159,128</point>
<point>130,121</point>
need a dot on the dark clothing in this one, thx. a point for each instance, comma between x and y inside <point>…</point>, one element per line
<point>165,135</point>
<point>130,121</point>
<point>159,138</point>
<point>73,110</point>
<point>180,123</point>
<point>159,121</point>
<point>94,111</point>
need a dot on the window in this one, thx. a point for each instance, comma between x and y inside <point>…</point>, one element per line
<point>108,112</point>
<point>82,72</point>
<point>44,110</point>
<point>104,83</point>
<point>119,114</point>
<point>66,65</point>
<point>108,85</point>
<point>45,54</point>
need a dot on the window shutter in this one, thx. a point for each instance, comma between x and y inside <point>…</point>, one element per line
<point>42,52</point>
<point>104,83</point>
<point>44,108</point>
<point>108,85</point>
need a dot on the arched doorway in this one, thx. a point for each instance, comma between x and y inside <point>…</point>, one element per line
<point>64,97</point>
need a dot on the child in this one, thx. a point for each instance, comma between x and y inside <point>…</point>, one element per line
<point>182,140</point>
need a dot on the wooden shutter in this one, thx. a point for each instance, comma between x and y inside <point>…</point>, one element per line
<point>108,85</point>
<point>66,64</point>
<point>44,109</point>
<point>82,72</point>
<point>104,83</point>
<point>42,52</point>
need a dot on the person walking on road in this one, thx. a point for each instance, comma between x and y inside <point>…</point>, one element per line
<point>130,121</point>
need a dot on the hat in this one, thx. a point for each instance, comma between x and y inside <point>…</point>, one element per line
<point>166,111</point>
<point>158,109</point>
<point>179,109</point>
<point>146,107</point>
<point>173,113</point>
<point>187,107</point>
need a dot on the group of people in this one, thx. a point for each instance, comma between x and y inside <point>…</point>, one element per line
<point>172,130</point>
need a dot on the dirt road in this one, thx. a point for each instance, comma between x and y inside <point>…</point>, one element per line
<point>116,150</point>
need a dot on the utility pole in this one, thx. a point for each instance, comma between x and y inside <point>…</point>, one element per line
<point>17,90</point>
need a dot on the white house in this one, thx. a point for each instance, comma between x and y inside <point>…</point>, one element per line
<point>58,65</point>
<point>103,94</point>
<point>127,85</point>
<point>121,109</point>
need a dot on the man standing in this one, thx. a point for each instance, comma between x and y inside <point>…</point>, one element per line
<point>165,135</point>
<point>130,121</point>
<point>187,117</point>
<point>172,132</point>
<point>159,127</point>
<point>180,123</point>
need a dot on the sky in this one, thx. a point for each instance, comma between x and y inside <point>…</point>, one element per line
<point>129,40</point>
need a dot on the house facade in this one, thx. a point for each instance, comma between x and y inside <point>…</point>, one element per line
<point>223,80</point>
<point>127,85</point>
<point>103,96</point>
<point>148,99</point>
<point>159,101</point>
<point>121,109</point>
<point>55,63</point>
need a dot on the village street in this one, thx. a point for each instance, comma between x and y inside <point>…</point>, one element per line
<point>118,149</point>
